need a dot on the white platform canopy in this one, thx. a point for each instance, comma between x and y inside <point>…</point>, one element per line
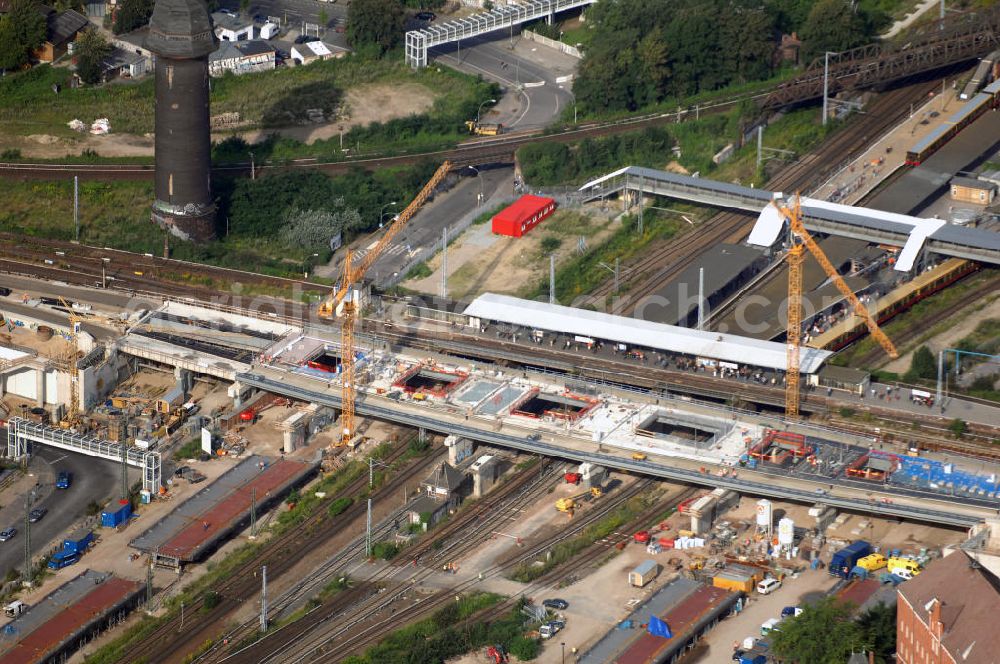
<point>644,334</point>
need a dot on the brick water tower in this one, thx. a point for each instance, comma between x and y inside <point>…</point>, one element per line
<point>181,37</point>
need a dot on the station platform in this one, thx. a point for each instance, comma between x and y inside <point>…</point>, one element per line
<point>55,626</point>
<point>218,510</point>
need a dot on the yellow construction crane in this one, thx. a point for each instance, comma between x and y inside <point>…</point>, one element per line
<point>341,302</point>
<point>802,240</point>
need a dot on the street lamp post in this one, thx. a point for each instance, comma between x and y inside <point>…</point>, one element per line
<point>381,212</point>
<point>563,644</point>
<point>253,169</point>
<point>482,193</point>
<point>479,110</point>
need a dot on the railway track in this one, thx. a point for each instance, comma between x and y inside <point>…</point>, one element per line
<point>510,496</point>
<point>170,643</point>
<point>876,356</point>
<point>453,539</point>
<point>660,266</point>
<point>475,151</point>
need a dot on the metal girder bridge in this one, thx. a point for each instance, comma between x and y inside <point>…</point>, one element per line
<point>955,39</point>
<point>418,42</point>
<point>21,431</point>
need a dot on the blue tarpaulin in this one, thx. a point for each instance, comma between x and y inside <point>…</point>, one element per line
<point>659,628</point>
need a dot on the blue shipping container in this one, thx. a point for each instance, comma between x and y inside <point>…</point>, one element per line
<point>78,542</point>
<point>115,515</point>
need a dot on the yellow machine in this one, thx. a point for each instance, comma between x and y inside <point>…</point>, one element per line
<point>342,302</point>
<point>484,128</point>
<point>872,562</point>
<point>802,240</point>
<point>569,504</point>
<point>638,456</point>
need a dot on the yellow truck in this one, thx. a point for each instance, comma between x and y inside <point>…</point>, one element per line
<point>904,567</point>
<point>872,562</point>
<point>484,128</point>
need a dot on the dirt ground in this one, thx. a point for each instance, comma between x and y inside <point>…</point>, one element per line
<point>481,262</point>
<point>370,103</point>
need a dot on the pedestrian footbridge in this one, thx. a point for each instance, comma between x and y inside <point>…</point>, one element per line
<point>911,233</point>
<point>418,42</point>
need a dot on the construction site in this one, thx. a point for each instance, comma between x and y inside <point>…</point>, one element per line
<point>672,466</point>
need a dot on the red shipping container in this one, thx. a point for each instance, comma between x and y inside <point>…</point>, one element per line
<point>522,215</point>
<point>667,542</point>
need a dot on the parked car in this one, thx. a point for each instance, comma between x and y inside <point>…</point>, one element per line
<point>560,604</point>
<point>549,629</point>
<point>35,515</point>
<point>228,12</point>
<point>64,480</point>
<point>302,39</point>
<point>768,586</point>
<point>425,16</point>
<point>790,611</point>
<point>7,534</point>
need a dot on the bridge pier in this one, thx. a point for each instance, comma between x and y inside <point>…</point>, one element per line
<point>40,387</point>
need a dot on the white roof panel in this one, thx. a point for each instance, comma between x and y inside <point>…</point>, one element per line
<point>645,334</point>
<point>768,227</point>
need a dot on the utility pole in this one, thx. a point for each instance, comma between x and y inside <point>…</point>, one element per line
<point>76,205</point>
<point>760,142</point>
<point>938,396</point>
<point>149,583</point>
<point>826,84</point>
<point>368,531</point>
<point>444,263</point>
<point>28,500</point>
<point>617,272</point>
<point>253,511</point>
<point>641,182</point>
<point>552,278</point>
<point>701,298</point>
<point>263,599</point>
<point>123,441</point>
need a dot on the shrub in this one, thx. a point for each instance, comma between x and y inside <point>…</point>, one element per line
<point>385,550</point>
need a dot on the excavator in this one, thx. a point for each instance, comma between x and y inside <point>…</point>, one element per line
<point>569,504</point>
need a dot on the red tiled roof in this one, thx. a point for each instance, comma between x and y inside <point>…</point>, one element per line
<point>970,600</point>
<point>222,515</point>
<point>680,620</point>
<point>39,644</point>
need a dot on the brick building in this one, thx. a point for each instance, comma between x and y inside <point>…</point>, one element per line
<point>946,614</point>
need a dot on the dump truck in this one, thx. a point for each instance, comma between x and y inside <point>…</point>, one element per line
<point>484,128</point>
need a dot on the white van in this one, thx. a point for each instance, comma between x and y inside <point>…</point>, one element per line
<point>15,609</point>
<point>268,31</point>
<point>769,626</point>
<point>768,586</point>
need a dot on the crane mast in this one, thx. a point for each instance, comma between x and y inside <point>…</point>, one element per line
<point>801,241</point>
<point>341,302</point>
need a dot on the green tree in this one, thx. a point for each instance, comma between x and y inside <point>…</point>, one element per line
<point>823,634</point>
<point>91,49</point>
<point>958,427</point>
<point>375,22</point>
<point>922,365</point>
<point>131,15</point>
<point>879,626</point>
<point>833,25</point>
<point>324,18</point>
<point>22,31</point>
<point>313,229</point>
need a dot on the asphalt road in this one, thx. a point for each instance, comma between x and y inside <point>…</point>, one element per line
<point>293,12</point>
<point>426,227</point>
<point>93,480</point>
<point>542,98</point>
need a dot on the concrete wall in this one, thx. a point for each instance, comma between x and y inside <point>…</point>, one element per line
<point>96,382</point>
<point>552,43</point>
